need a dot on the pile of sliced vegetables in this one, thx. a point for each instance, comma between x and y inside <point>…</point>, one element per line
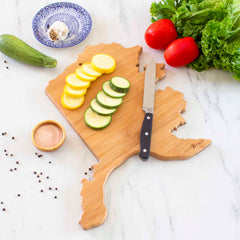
<point>99,115</point>
<point>78,82</point>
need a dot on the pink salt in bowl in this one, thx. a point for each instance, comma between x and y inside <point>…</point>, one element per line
<point>48,135</point>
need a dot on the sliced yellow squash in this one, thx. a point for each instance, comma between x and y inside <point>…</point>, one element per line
<point>83,76</point>
<point>71,92</point>
<point>74,82</point>
<point>70,102</point>
<point>103,63</point>
<point>88,69</point>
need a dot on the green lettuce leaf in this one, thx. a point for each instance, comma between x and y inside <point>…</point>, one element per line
<point>215,26</point>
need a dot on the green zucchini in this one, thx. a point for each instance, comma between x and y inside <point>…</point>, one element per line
<point>17,49</point>
<point>101,110</point>
<point>120,84</point>
<point>110,92</point>
<point>108,102</point>
<point>96,121</point>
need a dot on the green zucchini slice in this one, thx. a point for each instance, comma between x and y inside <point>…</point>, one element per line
<point>101,110</point>
<point>96,121</point>
<point>108,102</point>
<point>110,92</point>
<point>120,84</point>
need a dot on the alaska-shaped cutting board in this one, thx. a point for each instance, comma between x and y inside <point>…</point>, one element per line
<point>120,140</point>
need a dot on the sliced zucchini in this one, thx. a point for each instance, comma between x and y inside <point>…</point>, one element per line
<point>120,84</point>
<point>71,92</point>
<point>88,69</point>
<point>96,121</point>
<point>101,110</point>
<point>108,102</point>
<point>74,82</point>
<point>70,102</point>
<point>110,92</point>
<point>103,63</point>
<point>83,76</point>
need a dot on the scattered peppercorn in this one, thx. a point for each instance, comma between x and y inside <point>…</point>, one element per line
<point>50,188</point>
<point>47,177</point>
<point>5,61</point>
<point>39,180</point>
<point>4,150</point>
<point>56,188</point>
<point>19,195</point>
<point>34,172</point>
<point>4,209</point>
<point>1,202</point>
<point>41,173</point>
<point>15,169</point>
<point>48,26</point>
<point>85,173</point>
<point>41,190</point>
<point>49,162</point>
<point>11,155</point>
<point>11,170</point>
<point>6,154</point>
<point>38,176</point>
<point>40,155</point>
<point>13,138</point>
<point>55,197</point>
<point>36,153</point>
<point>7,67</point>
<point>17,162</point>
<point>90,169</point>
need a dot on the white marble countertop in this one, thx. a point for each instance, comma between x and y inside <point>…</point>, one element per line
<point>182,200</point>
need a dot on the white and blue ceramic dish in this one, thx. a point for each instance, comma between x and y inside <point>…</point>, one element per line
<point>77,19</point>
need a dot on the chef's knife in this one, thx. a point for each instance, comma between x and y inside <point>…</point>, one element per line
<point>148,106</point>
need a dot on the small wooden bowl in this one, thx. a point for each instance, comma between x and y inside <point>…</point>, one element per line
<point>52,148</point>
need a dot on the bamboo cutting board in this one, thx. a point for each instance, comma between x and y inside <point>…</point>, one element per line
<point>120,140</point>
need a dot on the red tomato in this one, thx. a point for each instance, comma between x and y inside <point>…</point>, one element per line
<point>160,34</point>
<point>181,52</point>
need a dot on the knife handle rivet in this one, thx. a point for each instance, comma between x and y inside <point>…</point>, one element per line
<point>146,133</point>
<point>144,150</point>
<point>148,117</point>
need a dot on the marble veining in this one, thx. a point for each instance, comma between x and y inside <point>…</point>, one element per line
<point>179,200</point>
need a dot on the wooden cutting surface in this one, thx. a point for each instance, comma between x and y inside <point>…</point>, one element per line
<point>120,140</point>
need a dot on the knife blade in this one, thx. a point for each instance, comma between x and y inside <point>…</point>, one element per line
<point>148,107</point>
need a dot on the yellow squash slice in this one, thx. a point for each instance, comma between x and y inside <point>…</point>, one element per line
<point>74,82</point>
<point>84,77</point>
<point>88,69</point>
<point>103,63</point>
<point>70,102</point>
<point>73,92</point>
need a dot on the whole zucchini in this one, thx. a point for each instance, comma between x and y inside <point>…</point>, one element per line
<point>17,49</point>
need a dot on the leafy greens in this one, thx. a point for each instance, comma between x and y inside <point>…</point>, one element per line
<point>215,26</point>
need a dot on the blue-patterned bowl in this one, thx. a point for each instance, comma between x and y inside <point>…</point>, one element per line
<point>77,19</point>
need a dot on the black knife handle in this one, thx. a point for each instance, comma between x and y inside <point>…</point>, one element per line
<point>145,139</point>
